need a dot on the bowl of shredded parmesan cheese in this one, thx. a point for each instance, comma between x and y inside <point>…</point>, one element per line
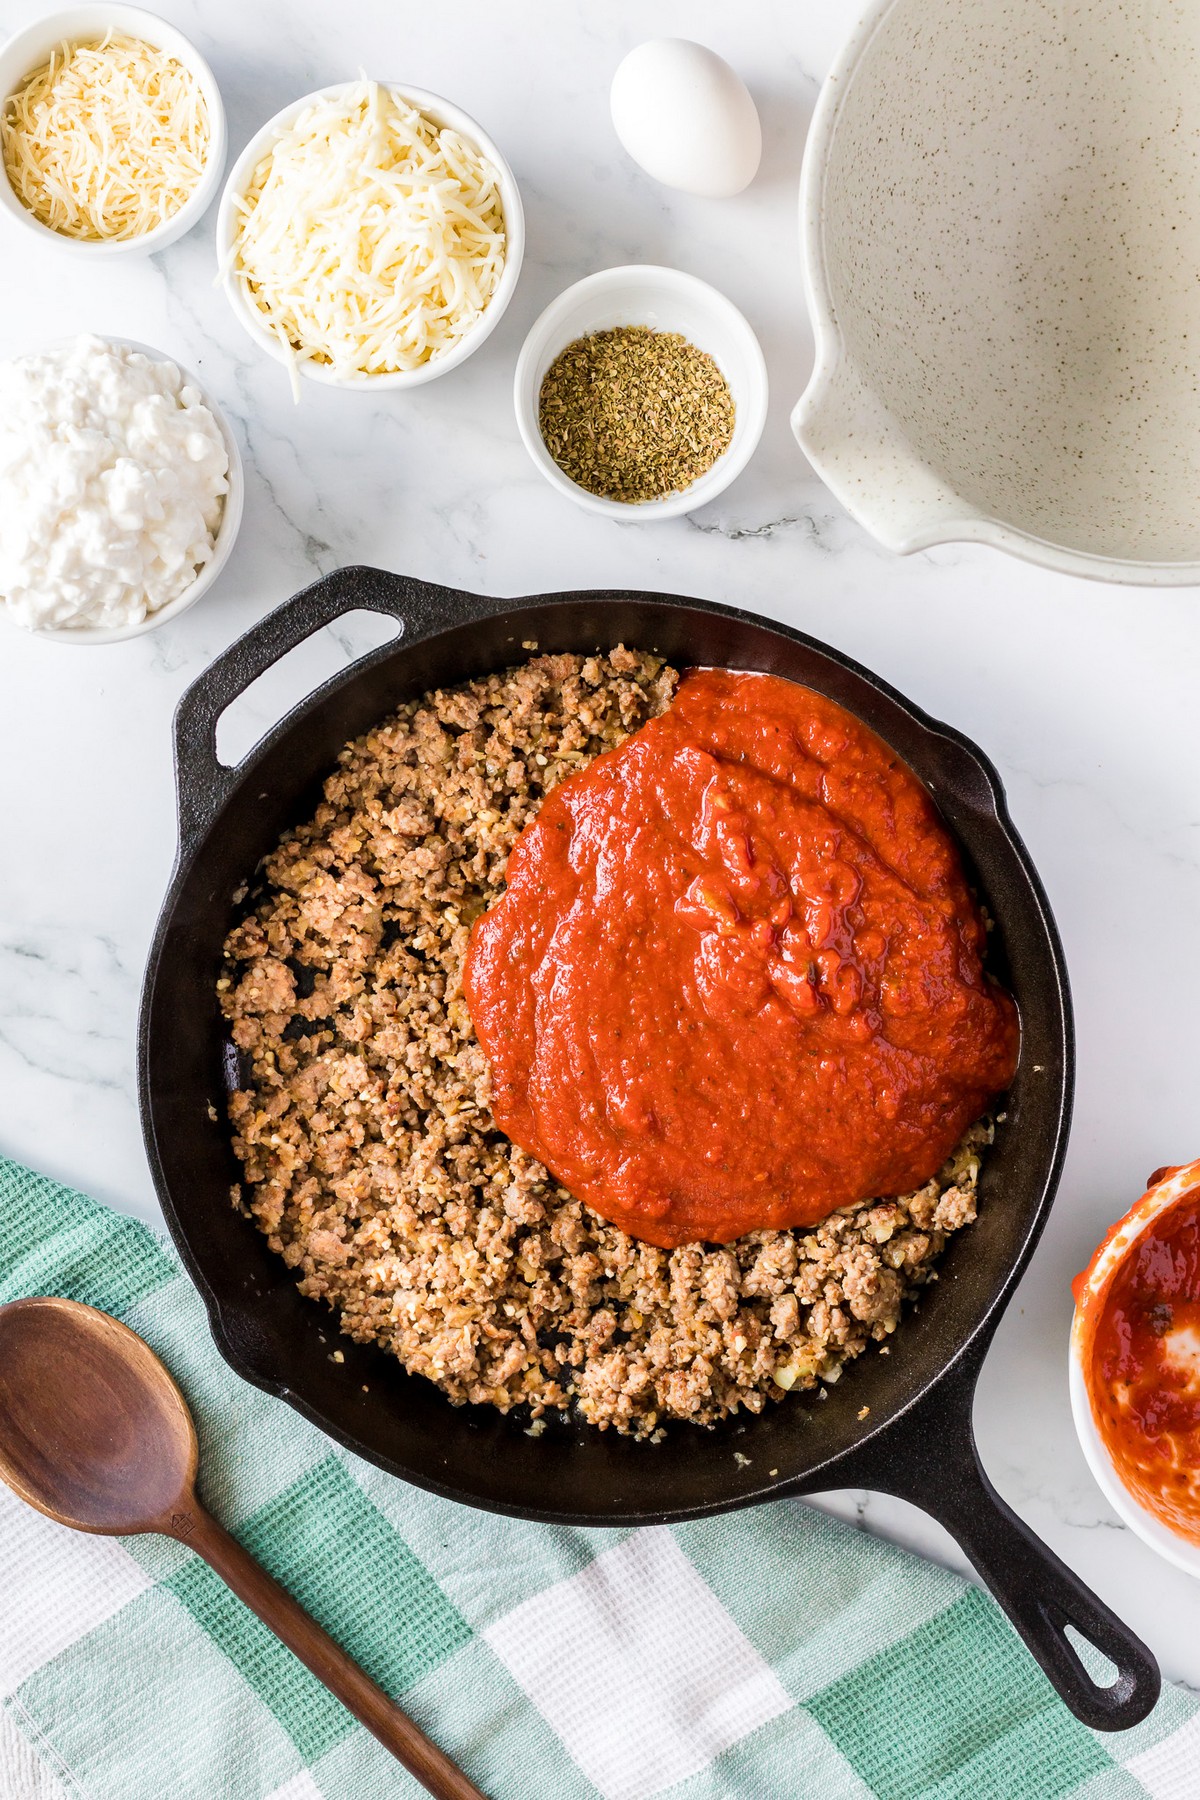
<point>370,236</point>
<point>112,130</point>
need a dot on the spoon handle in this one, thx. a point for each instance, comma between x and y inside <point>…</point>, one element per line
<point>326,1659</point>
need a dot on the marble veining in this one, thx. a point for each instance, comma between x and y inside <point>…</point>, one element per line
<point>1083,696</point>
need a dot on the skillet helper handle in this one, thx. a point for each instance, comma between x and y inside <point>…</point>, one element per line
<point>1042,1596</point>
<point>202,782</point>
<point>931,1459</point>
<point>326,1659</point>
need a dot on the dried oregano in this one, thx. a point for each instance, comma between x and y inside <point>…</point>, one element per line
<point>633,414</point>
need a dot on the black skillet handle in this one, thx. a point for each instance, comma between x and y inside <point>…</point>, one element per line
<point>930,1457</point>
<point>202,782</point>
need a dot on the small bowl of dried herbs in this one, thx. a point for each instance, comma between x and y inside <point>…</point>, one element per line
<point>641,392</point>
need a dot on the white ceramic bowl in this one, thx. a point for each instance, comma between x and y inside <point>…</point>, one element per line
<point>1151,1530</point>
<point>1001,227</point>
<point>666,300</point>
<point>29,49</point>
<point>442,113</point>
<point>1181,1551</point>
<point>231,519</point>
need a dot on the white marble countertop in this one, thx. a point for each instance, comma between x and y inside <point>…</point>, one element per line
<point>1084,697</point>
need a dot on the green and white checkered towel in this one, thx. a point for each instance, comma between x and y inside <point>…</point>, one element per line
<point>769,1655</point>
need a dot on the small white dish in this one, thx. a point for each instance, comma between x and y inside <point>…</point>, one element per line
<point>665,300</point>
<point>231,520</point>
<point>27,50</point>
<point>1181,1551</point>
<point>443,114</point>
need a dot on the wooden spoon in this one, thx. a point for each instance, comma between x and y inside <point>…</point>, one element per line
<point>94,1433</point>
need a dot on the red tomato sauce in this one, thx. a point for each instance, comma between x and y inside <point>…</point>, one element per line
<point>1145,1368</point>
<point>735,981</point>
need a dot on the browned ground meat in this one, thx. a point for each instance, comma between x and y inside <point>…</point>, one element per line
<point>371,1159</point>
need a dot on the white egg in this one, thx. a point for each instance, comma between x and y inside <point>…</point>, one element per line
<point>686,118</point>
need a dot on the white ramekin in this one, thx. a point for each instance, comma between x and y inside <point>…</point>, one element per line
<point>443,113</point>
<point>29,49</point>
<point>666,300</point>
<point>231,519</point>
<point>1181,1551</point>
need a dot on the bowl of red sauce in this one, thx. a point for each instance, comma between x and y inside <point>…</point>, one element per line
<point>1135,1366</point>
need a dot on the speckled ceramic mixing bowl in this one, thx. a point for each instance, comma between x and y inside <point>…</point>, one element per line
<point>1001,215</point>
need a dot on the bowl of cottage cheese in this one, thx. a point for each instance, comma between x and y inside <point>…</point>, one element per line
<point>120,490</point>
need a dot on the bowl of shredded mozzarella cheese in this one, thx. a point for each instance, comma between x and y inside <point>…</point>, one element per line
<point>112,131</point>
<point>370,236</point>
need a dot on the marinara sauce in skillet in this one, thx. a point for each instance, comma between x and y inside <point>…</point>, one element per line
<point>736,978</point>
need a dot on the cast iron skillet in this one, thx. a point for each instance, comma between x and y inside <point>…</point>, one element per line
<point>917,1439</point>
